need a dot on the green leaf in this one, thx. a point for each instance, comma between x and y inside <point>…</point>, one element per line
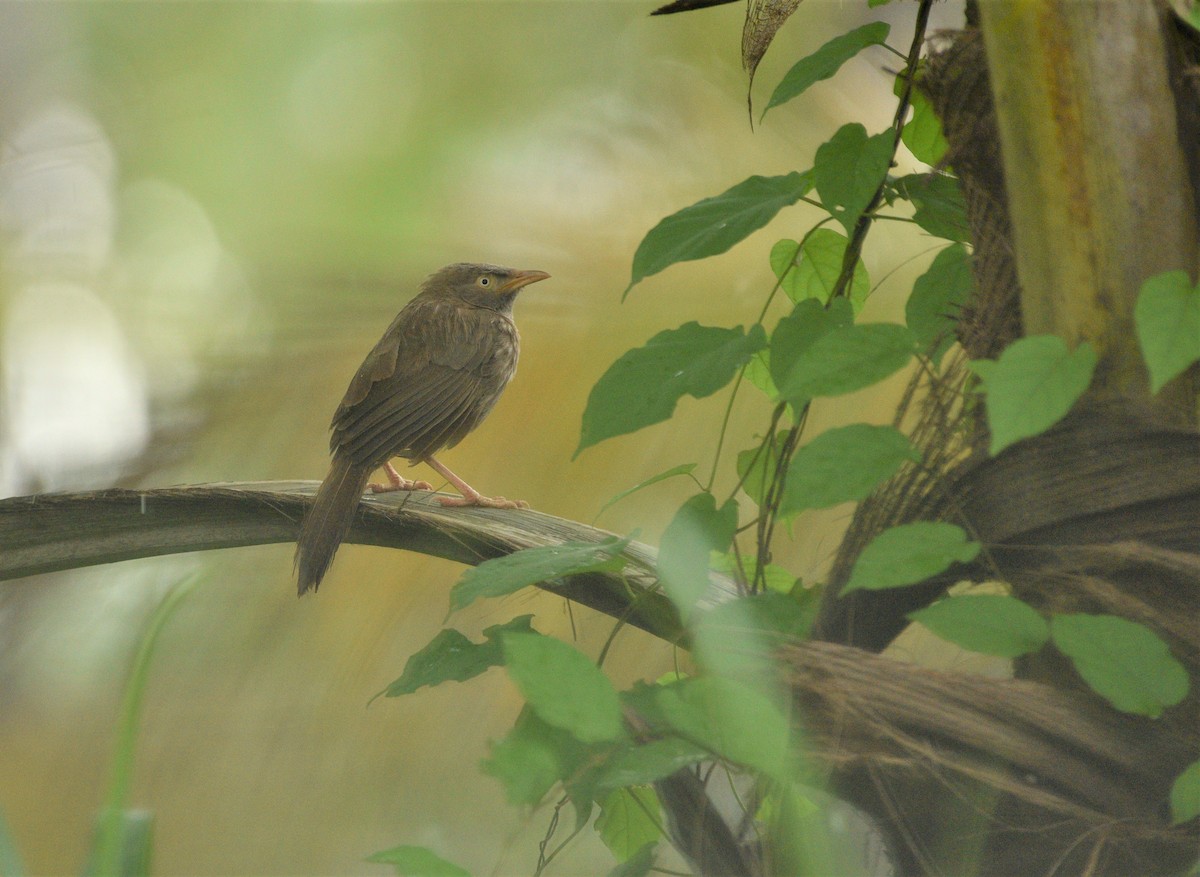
<point>641,765</point>
<point>922,134</point>
<point>826,61</point>
<point>775,577</point>
<point>681,469</point>
<point>639,864</point>
<point>844,465</point>
<point>1185,794</point>
<point>732,720</point>
<point>412,861</point>
<point>1032,386</point>
<point>909,554</point>
<point>10,858</point>
<point>991,624</point>
<point>628,820</point>
<point>784,258</point>
<point>811,269</point>
<point>756,466</point>
<point>642,387</point>
<point>758,372</point>
<point>712,226</point>
<point>1167,315</point>
<point>450,656</point>
<point>563,686</point>
<point>770,618</point>
<point>848,170</point>
<point>532,758</point>
<point>872,4</point>
<point>937,299</point>
<point>797,332</point>
<point>135,845</point>
<point>847,359</point>
<point>1124,662</point>
<point>941,209</point>
<point>504,575</point>
<point>697,529</point>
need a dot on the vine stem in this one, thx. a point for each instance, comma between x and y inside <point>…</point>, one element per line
<point>712,475</point>
<point>863,224</point>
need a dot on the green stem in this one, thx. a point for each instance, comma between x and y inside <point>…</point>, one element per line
<point>863,225</point>
<point>109,840</point>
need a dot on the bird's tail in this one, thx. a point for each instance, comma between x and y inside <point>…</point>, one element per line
<point>328,520</point>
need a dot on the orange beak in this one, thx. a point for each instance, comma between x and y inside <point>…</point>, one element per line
<point>521,279</point>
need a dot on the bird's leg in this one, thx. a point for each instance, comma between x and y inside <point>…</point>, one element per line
<point>397,482</point>
<point>470,496</point>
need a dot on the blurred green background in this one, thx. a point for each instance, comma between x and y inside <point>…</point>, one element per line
<point>210,212</point>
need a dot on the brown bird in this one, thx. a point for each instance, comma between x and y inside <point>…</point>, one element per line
<point>432,378</point>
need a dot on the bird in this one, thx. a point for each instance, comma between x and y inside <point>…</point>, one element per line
<point>433,377</point>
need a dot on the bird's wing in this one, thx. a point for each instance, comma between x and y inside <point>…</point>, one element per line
<point>429,381</point>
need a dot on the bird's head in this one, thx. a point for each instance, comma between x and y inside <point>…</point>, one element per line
<point>481,285</point>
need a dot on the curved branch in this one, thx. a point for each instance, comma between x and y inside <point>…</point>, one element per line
<point>51,532</point>
<point>864,715</point>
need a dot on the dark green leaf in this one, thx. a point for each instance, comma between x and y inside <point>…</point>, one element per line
<point>682,469</point>
<point>1124,662</point>
<point>849,168</point>
<point>1032,386</point>
<point>1168,325</point>
<point>991,624</point>
<point>1185,794</point>
<point>811,269</point>
<point>642,387</point>
<point>826,61</point>
<point>909,554</point>
<point>532,758</point>
<point>848,359</point>
<point>797,332</point>
<point>922,134</point>
<point>412,861</point>
<point>450,656</point>
<point>844,465</point>
<point>563,686</point>
<point>628,820</point>
<point>715,224</point>
<point>732,720</point>
<point>940,207</point>
<point>698,528</point>
<point>937,299</point>
<point>638,865</point>
<point>640,765</point>
<point>504,575</point>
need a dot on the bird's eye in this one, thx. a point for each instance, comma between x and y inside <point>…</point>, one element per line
<point>485,280</point>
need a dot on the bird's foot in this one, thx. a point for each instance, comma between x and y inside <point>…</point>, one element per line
<point>479,500</point>
<point>397,482</point>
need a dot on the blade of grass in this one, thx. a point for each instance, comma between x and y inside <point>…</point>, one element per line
<point>10,860</point>
<point>110,837</point>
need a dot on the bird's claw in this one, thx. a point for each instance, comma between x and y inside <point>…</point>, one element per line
<point>405,484</point>
<point>488,502</point>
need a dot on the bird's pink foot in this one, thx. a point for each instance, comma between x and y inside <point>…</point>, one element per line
<point>481,501</point>
<point>397,482</point>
